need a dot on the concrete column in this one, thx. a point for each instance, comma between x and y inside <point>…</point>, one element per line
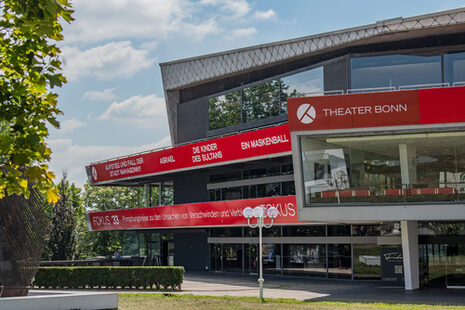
<point>410,254</point>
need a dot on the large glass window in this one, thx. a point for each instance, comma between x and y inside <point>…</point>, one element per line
<point>367,262</point>
<point>454,68</point>
<point>414,167</point>
<point>394,71</point>
<point>130,243</point>
<point>305,83</point>
<point>339,261</point>
<point>304,231</point>
<point>305,259</point>
<point>225,111</point>
<point>263,100</point>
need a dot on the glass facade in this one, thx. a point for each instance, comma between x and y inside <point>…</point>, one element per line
<point>454,68</point>
<point>305,259</point>
<point>263,100</point>
<point>389,168</point>
<point>326,260</point>
<point>367,262</point>
<point>151,249</point>
<point>255,190</point>
<point>403,70</point>
<point>394,71</point>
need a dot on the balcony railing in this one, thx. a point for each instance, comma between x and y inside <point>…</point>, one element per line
<point>381,89</point>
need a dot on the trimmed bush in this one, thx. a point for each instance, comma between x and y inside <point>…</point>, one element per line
<point>110,277</point>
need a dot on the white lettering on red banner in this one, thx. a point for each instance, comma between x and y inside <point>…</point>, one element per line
<point>272,140</point>
<point>205,214</point>
<point>396,108</point>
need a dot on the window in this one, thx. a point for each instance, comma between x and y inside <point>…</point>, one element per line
<point>263,100</point>
<point>394,70</point>
<point>367,262</point>
<point>225,111</point>
<point>304,83</point>
<point>167,193</point>
<point>387,168</point>
<point>304,231</point>
<point>454,68</point>
<point>305,259</point>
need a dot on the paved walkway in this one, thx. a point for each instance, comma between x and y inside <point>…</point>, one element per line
<point>305,289</point>
<point>225,284</point>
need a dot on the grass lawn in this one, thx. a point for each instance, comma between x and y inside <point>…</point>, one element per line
<point>136,301</point>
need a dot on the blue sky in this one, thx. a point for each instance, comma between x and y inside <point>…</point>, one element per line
<point>113,102</point>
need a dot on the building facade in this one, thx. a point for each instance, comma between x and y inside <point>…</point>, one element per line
<point>356,136</point>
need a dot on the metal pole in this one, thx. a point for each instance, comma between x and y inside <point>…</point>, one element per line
<point>260,279</point>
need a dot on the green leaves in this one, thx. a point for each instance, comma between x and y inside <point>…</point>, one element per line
<point>29,68</point>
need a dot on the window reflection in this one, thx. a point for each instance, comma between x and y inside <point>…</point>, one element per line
<point>305,259</point>
<point>263,100</point>
<point>454,68</point>
<point>394,70</point>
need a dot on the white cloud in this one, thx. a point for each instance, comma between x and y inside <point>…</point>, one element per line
<point>238,8</point>
<point>72,157</point>
<point>105,95</point>
<point>114,59</point>
<point>133,19</point>
<point>264,14</point>
<point>243,32</point>
<point>149,45</point>
<point>70,125</point>
<point>143,111</point>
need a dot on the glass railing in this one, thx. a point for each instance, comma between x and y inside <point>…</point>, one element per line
<point>382,89</point>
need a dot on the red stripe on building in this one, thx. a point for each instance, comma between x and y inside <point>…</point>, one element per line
<point>203,214</point>
<point>257,143</point>
<point>396,108</point>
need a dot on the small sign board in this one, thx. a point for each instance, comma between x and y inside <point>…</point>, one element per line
<point>392,266</point>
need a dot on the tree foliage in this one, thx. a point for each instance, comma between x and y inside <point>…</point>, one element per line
<point>30,67</point>
<point>61,241</point>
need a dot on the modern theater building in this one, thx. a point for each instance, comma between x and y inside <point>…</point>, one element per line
<point>356,136</point>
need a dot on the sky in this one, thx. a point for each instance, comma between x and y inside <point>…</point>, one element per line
<point>113,103</point>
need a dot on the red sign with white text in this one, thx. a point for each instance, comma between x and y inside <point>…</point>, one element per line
<point>396,108</point>
<point>203,214</point>
<point>262,142</point>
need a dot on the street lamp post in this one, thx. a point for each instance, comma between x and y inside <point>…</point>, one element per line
<point>260,214</point>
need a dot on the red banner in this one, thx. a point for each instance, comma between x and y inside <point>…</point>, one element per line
<point>410,107</point>
<point>203,214</point>
<point>262,142</point>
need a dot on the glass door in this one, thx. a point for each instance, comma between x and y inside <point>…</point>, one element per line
<point>232,257</point>
<point>216,258</point>
<point>455,265</point>
<point>153,253</point>
<point>251,258</point>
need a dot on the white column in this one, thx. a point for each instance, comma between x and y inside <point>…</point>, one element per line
<point>410,254</point>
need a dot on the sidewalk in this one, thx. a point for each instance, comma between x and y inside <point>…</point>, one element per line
<point>224,284</point>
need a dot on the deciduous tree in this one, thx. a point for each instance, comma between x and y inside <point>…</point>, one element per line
<point>30,67</point>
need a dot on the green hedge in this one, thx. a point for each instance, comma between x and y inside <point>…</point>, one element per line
<point>110,277</point>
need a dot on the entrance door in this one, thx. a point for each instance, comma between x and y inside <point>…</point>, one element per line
<point>232,257</point>
<point>216,258</point>
<point>251,259</point>
<point>153,253</point>
<point>455,266</point>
